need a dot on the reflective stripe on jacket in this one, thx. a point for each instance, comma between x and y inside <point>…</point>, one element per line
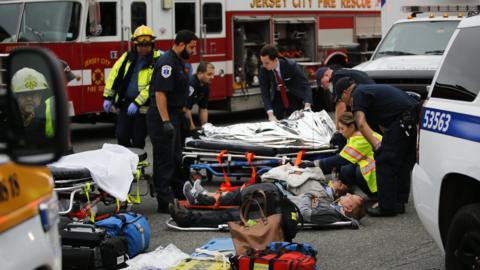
<point>358,150</point>
<point>49,128</point>
<point>144,77</point>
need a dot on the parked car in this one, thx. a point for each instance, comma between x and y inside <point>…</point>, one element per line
<point>446,178</point>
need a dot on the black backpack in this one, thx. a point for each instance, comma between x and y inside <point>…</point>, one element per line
<point>277,202</point>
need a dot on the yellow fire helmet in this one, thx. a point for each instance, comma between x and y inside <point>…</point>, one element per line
<point>27,80</point>
<point>143,34</point>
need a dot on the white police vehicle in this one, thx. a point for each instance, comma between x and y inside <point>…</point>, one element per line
<point>446,178</point>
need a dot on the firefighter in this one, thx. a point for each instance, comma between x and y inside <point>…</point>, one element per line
<point>127,88</point>
<point>283,84</point>
<point>165,117</point>
<point>395,112</point>
<point>29,87</point>
<point>199,92</point>
<point>326,78</point>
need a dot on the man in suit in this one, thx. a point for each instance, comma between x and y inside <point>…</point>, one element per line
<point>283,84</point>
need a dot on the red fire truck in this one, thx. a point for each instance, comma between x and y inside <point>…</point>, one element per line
<point>90,35</point>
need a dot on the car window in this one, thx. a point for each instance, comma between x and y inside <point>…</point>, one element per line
<point>458,77</point>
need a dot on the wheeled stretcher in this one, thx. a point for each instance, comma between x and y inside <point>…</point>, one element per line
<point>79,193</point>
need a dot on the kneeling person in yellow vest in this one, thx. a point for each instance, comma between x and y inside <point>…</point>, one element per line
<point>127,88</point>
<point>355,163</point>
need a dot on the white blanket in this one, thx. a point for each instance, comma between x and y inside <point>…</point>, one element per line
<point>112,168</point>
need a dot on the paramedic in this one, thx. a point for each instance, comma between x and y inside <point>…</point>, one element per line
<point>199,92</point>
<point>326,79</point>
<point>283,84</point>
<point>355,162</point>
<point>30,87</point>
<point>395,113</point>
<point>127,87</point>
<point>169,93</point>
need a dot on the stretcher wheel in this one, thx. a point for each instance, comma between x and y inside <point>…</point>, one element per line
<point>66,174</point>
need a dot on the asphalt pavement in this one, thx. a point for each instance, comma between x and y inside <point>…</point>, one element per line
<point>380,243</point>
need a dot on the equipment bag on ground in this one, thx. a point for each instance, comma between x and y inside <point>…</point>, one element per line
<point>133,226</point>
<point>253,232</point>
<point>265,259</point>
<point>277,203</point>
<point>85,246</point>
<point>281,247</point>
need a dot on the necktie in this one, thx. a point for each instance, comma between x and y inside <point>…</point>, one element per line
<point>283,90</point>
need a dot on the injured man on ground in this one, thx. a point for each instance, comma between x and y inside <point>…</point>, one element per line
<point>322,204</point>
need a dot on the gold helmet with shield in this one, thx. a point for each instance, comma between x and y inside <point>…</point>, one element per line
<point>28,80</point>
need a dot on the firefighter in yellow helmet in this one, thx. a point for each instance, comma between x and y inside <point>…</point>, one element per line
<point>29,87</point>
<point>127,88</point>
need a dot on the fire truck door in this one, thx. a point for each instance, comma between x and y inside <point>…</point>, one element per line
<point>102,47</point>
<point>213,45</point>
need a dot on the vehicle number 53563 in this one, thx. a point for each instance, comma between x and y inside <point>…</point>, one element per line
<point>437,121</point>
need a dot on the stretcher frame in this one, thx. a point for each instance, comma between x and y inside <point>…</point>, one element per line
<point>224,227</point>
<point>78,185</point>
<point>208,160</point>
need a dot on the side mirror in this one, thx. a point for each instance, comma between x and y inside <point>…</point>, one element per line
<point>36,122</point>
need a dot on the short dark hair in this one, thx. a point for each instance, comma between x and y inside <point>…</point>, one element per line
<point>270,51</point>
<point>185,36</point>
<point>340,87</point>
<point>203,66</point>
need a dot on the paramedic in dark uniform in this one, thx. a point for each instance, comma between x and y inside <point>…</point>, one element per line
<point>168,94</point>
<point>395,112</point>
<point>283,84</point>
<point>199,92</point>
<point>326,79</point>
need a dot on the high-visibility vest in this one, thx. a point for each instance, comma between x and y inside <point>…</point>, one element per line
<point>359,151</point>
<point>144,77</point>
<point>49,127</point>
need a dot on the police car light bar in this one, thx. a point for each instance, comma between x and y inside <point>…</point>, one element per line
<point>444,8</point>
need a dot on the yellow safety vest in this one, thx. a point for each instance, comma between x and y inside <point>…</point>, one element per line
<point>49,129</point>
<point>358,150</point>
<point>144,77</point>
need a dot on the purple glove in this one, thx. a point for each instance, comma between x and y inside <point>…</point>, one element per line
<point>107,104</point>
<point>132,109</point>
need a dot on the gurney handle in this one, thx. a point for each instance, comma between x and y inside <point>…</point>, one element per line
<point>72,195</point>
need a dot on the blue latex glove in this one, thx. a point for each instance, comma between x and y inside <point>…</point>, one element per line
<point>132,109</point>
<point>107,104</point>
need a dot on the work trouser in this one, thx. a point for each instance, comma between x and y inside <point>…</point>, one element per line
<point>395,160</point>
<point>226,199</point>
<point>328,164</point>
<point>167,156</point>
<point>351,175</point>
<point>131,131</point>
<point>294,103</point>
